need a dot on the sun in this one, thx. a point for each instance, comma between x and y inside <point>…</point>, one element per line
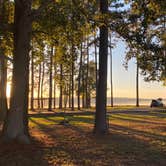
<point>8,89</point>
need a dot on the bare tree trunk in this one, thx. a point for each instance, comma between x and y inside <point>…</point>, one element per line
<point>54,87</point>
<point>111,80</point>
<point>50,81</point>
<point>87,79</point>
<point>60,94</point>
<point>96,67</point>
<point>137,84</point>
<point>3,84</point>
<point>79,77</point>
<point>32,81</point>
<point>16,123</point>
<point>3,68</point>
<point>72,80</point>
<point>39,87</point>
<point>101,126</point>
<point>70,91</point>
<point>42,83</point>
<point>65,97</point>
<point>83,86</point>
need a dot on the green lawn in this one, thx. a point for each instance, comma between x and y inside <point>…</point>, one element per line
<point>135,138</point>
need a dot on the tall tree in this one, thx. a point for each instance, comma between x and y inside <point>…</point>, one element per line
<point>5,50</point>
<point>111,80</point>
<point>72,77</point>
<point>42,84</point>
<point>3,84</point>
<point>32,80</point>
<point>137,83</point>
<point>87,80</point>
<point>61,87</point>
<point>79,78</point>
<point>96,71</point>
<point>101,126</point>
<point>16,124</point>
<point>54,86</point>
<point>50,79</point>
<point>39,85</point>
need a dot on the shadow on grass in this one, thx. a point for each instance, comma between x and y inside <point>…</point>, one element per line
<point>40,115</point>
<point>157,114</point>
<point>116,148</point>
<point>135,132</point>
<point>75,119</point>
<point>136,119</point>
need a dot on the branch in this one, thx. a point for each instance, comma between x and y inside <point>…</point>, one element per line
<point>93,41</point>
<point>37,12</point>
<point>6,57</point>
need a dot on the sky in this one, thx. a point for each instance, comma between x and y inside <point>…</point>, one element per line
<point>124,81</point>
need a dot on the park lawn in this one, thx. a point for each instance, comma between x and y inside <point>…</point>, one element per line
<point>135,138</point>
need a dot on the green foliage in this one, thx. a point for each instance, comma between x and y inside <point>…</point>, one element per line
<point>6,19</point>
<point>144,32</point>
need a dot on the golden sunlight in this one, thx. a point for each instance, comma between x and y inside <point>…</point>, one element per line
<point>8,89</point>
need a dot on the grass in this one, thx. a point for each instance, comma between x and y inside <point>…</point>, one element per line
<point>135,138</point>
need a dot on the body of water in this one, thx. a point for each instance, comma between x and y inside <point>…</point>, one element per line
<point>117,101</point>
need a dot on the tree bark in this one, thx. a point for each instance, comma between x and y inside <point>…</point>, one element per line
<point>54,86</point>
<point>137,84</point>
<point>70,91</point>
<point>87,79</point>
<point>101,126</point>
<point>111,80</point>
<point>42,83</point>
<point>96,67</point>
<point>39,86</point>
<point>83,85</point>
<point>60,94</point>
<point>3,84</point>
<point>79,78</point>
<point>72,80</point>
<point>50,81</point>
<point>16,124</point>
<point>32,80</point>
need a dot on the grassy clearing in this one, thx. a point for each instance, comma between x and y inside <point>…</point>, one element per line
<point>135,138</point>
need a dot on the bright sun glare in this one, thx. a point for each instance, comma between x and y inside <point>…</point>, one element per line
<point>8,90</point>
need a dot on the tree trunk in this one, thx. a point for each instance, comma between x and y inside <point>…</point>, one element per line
<point>83,86</point>
<point>79,78</point>
<point>3,84</point>
<point>3,67</point>
<point>60,94</point>
<point>65,96</point>
<point>42,83</point>
<point>96,66</point>
<point>101,126</point>
<point>32,80</point>
<point>87,79</point>
<point>16,124</point>
<point>39,87</point>
<point>72,80</point>
<point>70,91</point>
<point>137,84</point>
<point>54,87</point>
<point>50,81</point>
<point>111,80</point>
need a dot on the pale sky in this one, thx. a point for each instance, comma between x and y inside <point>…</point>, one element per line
<point>124,81</point>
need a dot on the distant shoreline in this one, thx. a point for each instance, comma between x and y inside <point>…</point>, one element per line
<point>118,101</point>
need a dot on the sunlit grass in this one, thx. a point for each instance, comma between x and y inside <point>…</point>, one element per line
<point>136,138</point>
<point>142,125</point>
